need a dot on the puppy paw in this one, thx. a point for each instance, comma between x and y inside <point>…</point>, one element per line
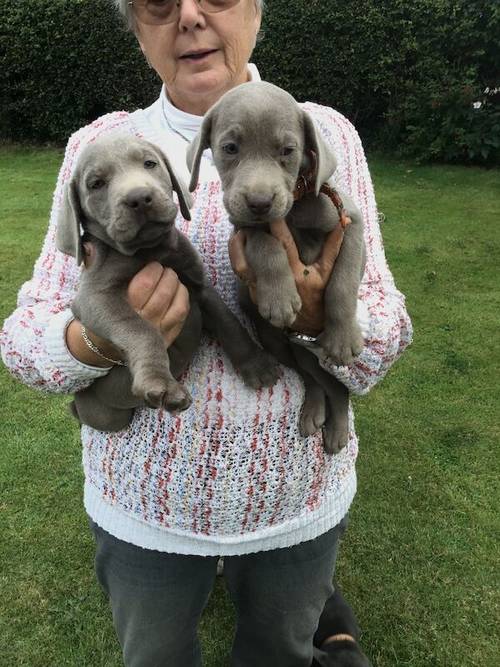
<point>280,307</point>
<point>261,370</point>
<point>176,398</point>
<point>162,392</point>
<point>313,413</point>
<point>342,343</point>
<point>335,437</point>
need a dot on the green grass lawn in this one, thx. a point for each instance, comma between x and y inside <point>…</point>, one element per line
<point>420,561</point>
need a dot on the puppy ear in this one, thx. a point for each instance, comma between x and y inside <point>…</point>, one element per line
<point>185,199</point>
<point>68,236</point>
<point>326,161</point>
<point>195,149</point>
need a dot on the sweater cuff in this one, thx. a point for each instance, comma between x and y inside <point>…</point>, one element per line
<point>59,354</point>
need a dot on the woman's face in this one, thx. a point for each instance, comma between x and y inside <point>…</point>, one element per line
<point>201,56</point>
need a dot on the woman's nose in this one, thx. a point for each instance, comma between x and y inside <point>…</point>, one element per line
<point>190,15</point>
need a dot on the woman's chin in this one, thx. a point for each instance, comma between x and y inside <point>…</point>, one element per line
<point>202,87</point>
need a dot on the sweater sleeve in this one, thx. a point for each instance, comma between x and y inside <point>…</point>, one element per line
<point>33,338</point>
<point>389,329</point>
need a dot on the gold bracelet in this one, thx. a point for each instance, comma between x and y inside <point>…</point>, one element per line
<point>96,350</point>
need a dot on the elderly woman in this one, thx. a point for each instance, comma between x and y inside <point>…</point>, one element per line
<point>231,476</point>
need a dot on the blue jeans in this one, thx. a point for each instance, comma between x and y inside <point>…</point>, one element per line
<point>157,599</point>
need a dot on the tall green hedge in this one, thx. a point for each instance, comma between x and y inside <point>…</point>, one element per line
<point>63,63</point>
<point>411,75</point>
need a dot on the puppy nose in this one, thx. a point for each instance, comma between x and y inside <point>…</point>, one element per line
<point>259,204</point>
<point>139,198</point>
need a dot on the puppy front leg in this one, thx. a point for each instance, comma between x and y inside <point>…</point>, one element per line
<point>257,368</point>
<point>111,317</point>
<point>342,339</point>
<point>278,300</point>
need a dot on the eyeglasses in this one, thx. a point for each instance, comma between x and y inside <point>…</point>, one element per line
<point>159,12</point>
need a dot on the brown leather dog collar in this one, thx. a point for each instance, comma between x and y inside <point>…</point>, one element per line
<point>305,185</point>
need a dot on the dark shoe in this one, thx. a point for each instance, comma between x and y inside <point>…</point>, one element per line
<point>343,653</point>
<point>330,648</point>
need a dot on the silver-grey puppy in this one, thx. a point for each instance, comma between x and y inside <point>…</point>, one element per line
<point>120,197</point>
<point>262,141</point>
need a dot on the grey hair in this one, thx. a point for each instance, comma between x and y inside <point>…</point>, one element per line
<point>124,8</point>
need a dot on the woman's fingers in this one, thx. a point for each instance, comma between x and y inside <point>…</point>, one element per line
<point>236,247</point>
<point>175,316</point>
<point>159,297</point>
<point>143,285</point>
<point>330,252</point>
<point>280,231</point>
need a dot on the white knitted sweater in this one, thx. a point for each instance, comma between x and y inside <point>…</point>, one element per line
<point>231,475</point>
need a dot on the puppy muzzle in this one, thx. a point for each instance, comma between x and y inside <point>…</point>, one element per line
<point>142,213</point>
<point>139,200</point>
<point>255,207</point>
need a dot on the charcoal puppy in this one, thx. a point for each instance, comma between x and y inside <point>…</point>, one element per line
<point>262,142</point>
<point>120,197</point>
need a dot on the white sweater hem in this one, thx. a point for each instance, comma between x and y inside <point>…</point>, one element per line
<point>300,529</point>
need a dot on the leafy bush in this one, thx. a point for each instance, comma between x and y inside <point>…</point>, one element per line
<point>446,107</point>
<point>63,63</point>
<point>407,74</point>
<point>459,124</point>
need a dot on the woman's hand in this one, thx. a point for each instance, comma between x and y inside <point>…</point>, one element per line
<point>158,296</point>
<point>310,280</point>
<point>155,293</point>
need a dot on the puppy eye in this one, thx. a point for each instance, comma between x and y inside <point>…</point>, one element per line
<point>97,184</point>
<point>230,148</point>
<point>287,150</point>
<point>150,164</point>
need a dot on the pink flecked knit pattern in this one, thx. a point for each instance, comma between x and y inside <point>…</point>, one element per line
<point>234,463</point>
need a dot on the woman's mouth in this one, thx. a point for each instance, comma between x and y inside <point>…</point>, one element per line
<point>197,56</point>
